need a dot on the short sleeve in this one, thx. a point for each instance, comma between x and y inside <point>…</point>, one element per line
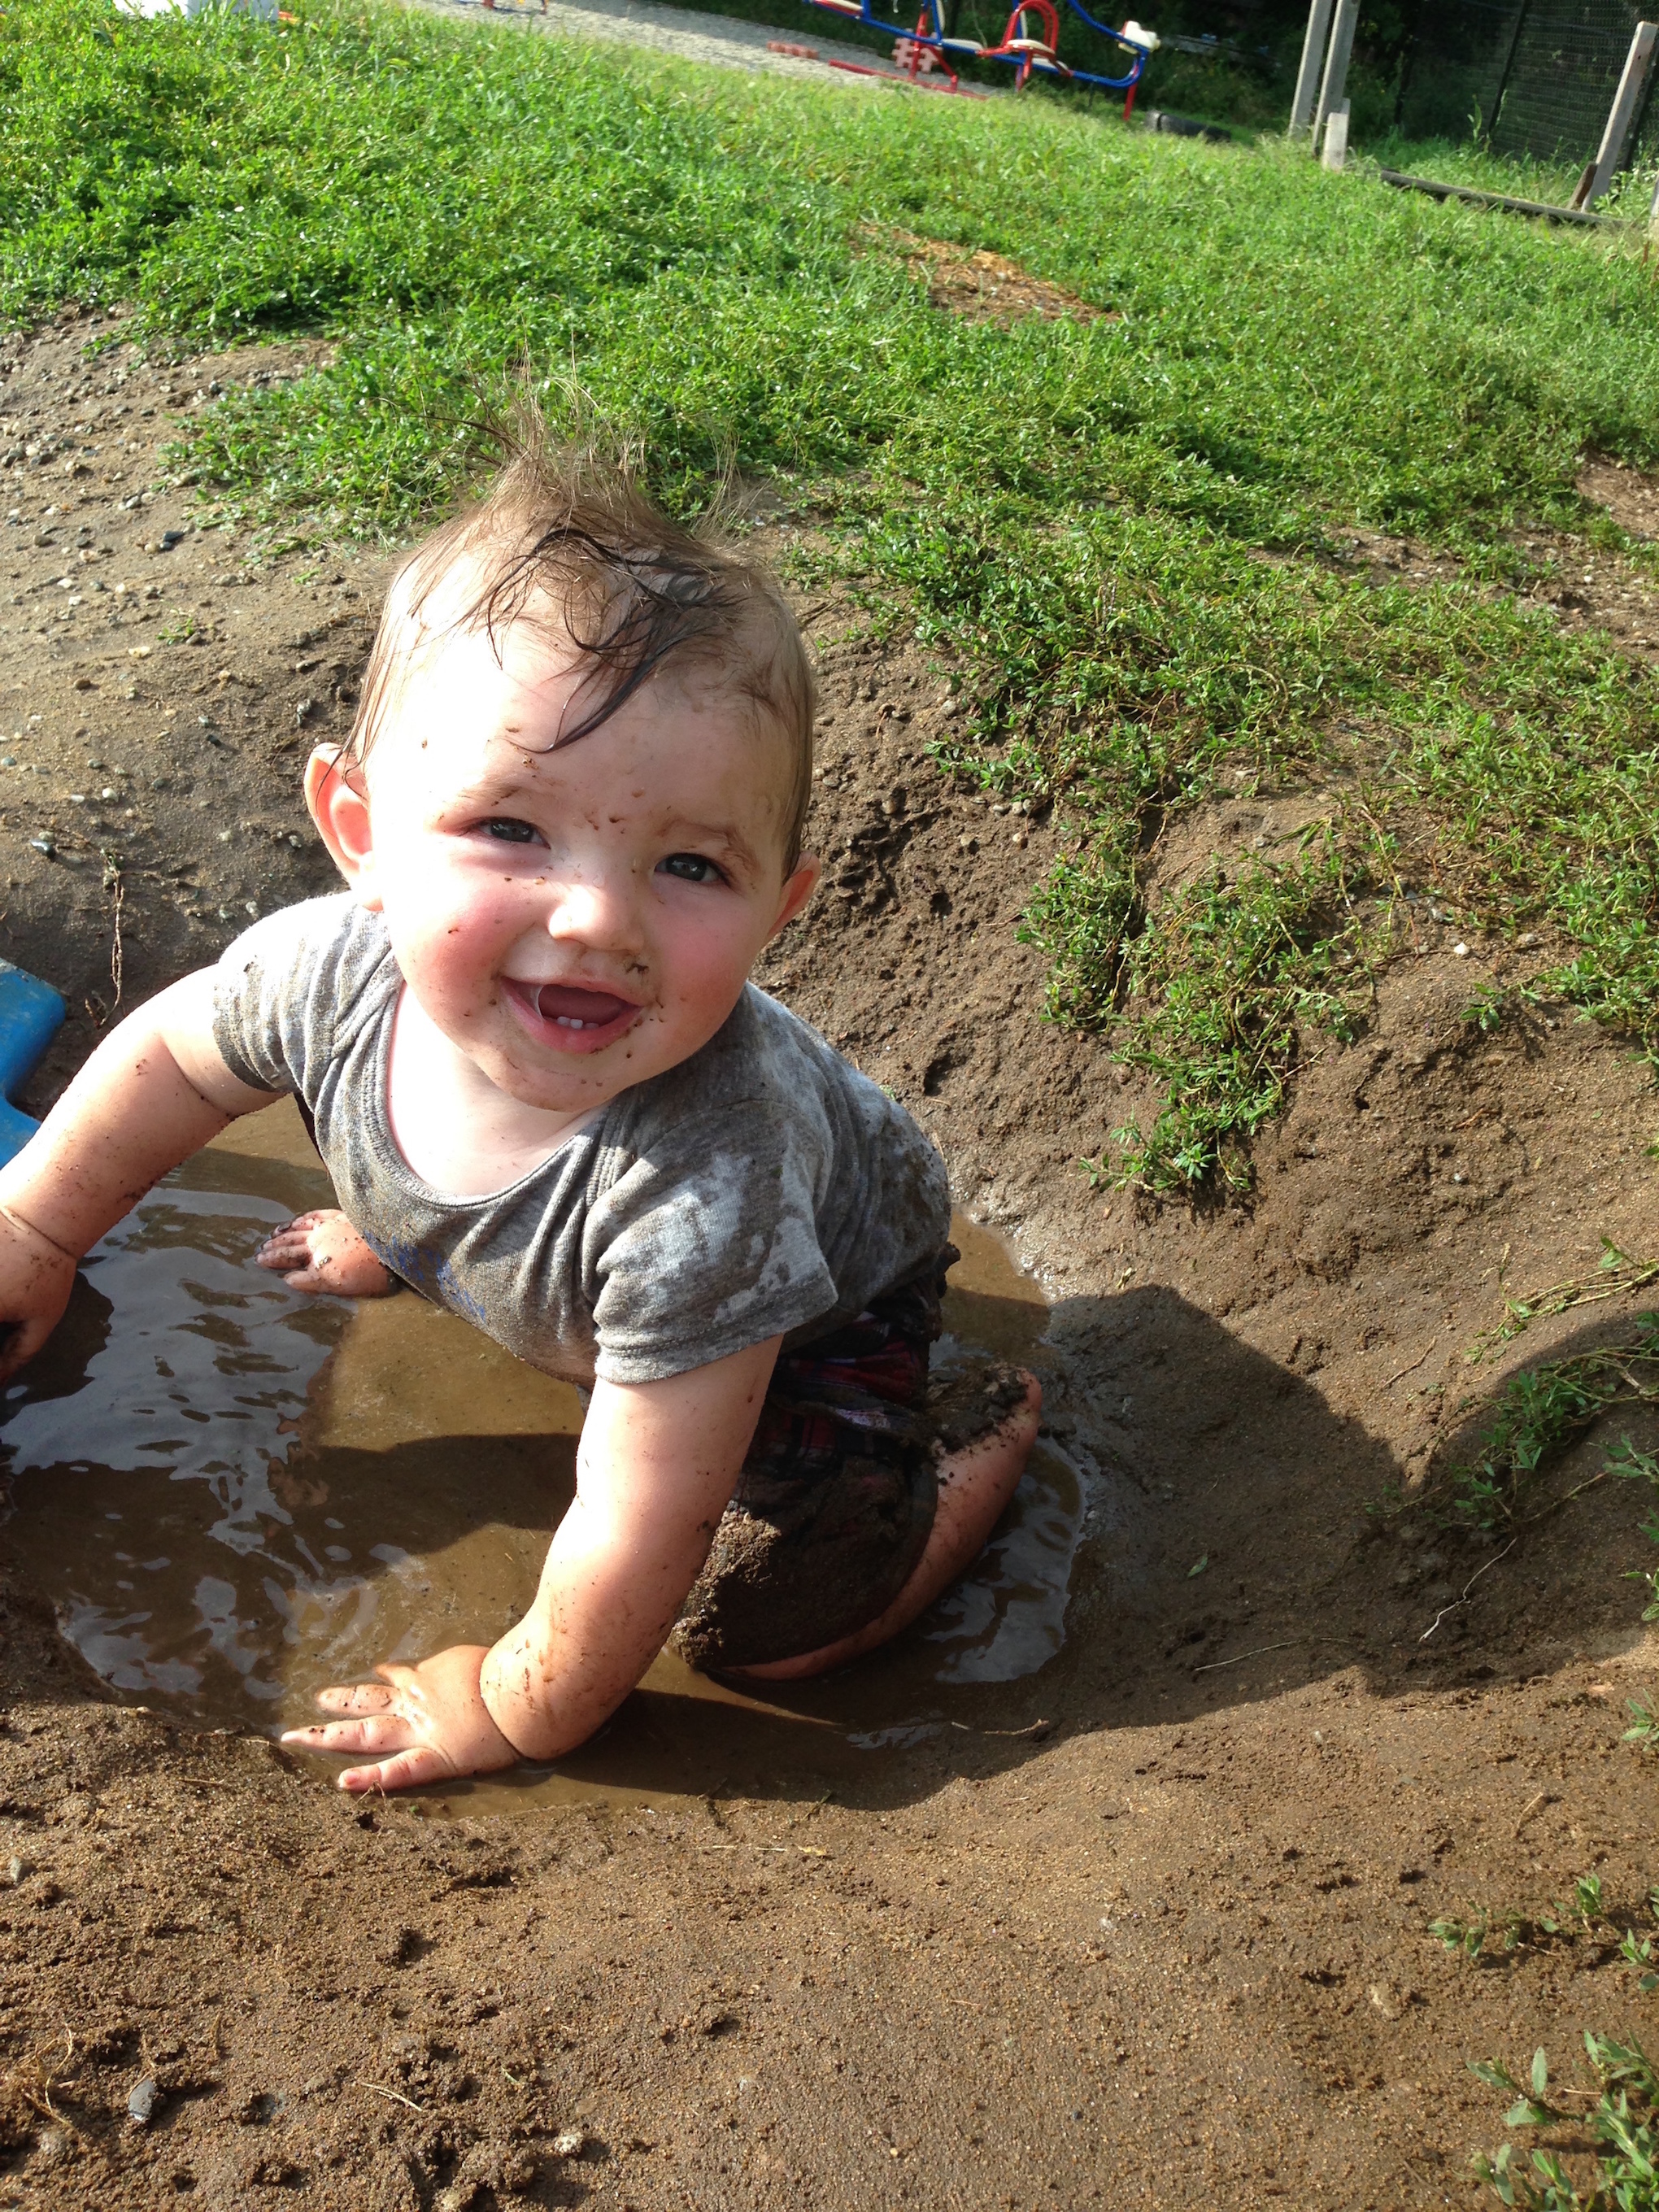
<point>276,994</point>
<point>706,1245</point>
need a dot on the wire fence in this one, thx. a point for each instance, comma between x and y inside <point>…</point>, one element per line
<point>1528,77</point>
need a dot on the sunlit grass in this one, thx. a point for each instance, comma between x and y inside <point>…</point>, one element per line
<point>1120,529</point>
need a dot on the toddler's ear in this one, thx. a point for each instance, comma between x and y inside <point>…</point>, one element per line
<point>338,801</point>
<point>796,892</point>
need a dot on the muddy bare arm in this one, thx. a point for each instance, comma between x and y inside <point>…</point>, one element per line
<point>154,1092</point>
<point>657,1464</point>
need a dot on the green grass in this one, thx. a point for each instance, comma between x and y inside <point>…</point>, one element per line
<point>1538,1414</point>
<point>1619,2115</point>
<point>1117,532</point>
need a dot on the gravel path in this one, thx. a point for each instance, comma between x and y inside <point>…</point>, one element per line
<point>719,38</point>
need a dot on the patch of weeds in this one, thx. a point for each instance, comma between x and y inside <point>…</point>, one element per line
<point>1219,998</point>
<point>1640,1467</point>
<point>1637,1951</point>
<point>1490,1934</point>
<point>1644,1720</point>
<point>1622,2120</point>
<point>1131,666</point>
<point>1488,1010</point>
<point>178,629</point>
<point>1616,1275</point>
<point>1538,1413</point>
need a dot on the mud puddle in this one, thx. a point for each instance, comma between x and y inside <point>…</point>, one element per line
<point>234,1495</point>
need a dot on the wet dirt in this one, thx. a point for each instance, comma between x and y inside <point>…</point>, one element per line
<point>234,1495</point>
<point>1150,1921</point>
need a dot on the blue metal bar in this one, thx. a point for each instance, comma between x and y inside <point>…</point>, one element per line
<point>1107,32</point>
<point>944,47</point>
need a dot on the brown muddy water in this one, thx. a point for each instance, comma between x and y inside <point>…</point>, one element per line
<point>234,1495</point>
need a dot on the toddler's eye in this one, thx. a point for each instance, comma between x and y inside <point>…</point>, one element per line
<point>510,831</point>
<point>691,868</point>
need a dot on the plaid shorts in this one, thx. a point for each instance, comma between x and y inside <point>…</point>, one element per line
<point>835,1501</point>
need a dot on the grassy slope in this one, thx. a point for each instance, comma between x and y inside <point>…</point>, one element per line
<point>1073,513</point>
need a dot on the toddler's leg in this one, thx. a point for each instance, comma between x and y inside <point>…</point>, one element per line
<point>974,1485</point>
<point>322,1251</point>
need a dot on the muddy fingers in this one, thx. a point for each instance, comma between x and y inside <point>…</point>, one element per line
<point>322,1253</point>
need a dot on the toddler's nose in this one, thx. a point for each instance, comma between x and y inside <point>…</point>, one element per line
<point>597,910</point>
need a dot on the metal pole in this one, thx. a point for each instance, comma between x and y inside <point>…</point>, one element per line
<point>1632,84</point>
<point>1307,77</point>
<point>1335,82</point>
<point>1414,40</point>
<point>1515,29</point>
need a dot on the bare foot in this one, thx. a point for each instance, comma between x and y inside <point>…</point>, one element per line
<point>321,1252</point>
<point>974,1485</point>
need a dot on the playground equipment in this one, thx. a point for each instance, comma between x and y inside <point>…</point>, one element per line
<point>1029,44</point>
<point>31,1015</point>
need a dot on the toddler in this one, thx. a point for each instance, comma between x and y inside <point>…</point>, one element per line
<point>569,817</point>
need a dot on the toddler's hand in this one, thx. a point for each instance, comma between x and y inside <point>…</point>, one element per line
<point>36,1279</point>
<point>431,1718</point>
<point>322,1251</point>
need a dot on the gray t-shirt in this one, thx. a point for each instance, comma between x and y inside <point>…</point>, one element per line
<point>763,1188</point>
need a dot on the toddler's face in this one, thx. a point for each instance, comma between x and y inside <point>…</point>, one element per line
<point>573,920</point>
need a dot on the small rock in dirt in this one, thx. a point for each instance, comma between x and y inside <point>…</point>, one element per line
<point>170,538</point>
<point>569,2142</point>
<point>17,1870</point>
<point>144,2101</point>
<point>1390,2002</point>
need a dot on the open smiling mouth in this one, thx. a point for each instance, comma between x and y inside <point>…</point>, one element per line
<point>568,1007</point>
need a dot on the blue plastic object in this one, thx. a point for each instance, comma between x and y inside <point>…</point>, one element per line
<point>31,1015</point>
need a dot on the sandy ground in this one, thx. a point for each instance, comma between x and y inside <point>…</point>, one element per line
<point>1148,1924</point>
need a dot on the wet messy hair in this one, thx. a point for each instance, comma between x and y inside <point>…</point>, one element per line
<point>566,538</point>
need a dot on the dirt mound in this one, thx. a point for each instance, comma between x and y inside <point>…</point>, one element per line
<point>983,287</point>
<point>160,680</point>
<point>1153,1922</point>
<point>1630,496</point>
